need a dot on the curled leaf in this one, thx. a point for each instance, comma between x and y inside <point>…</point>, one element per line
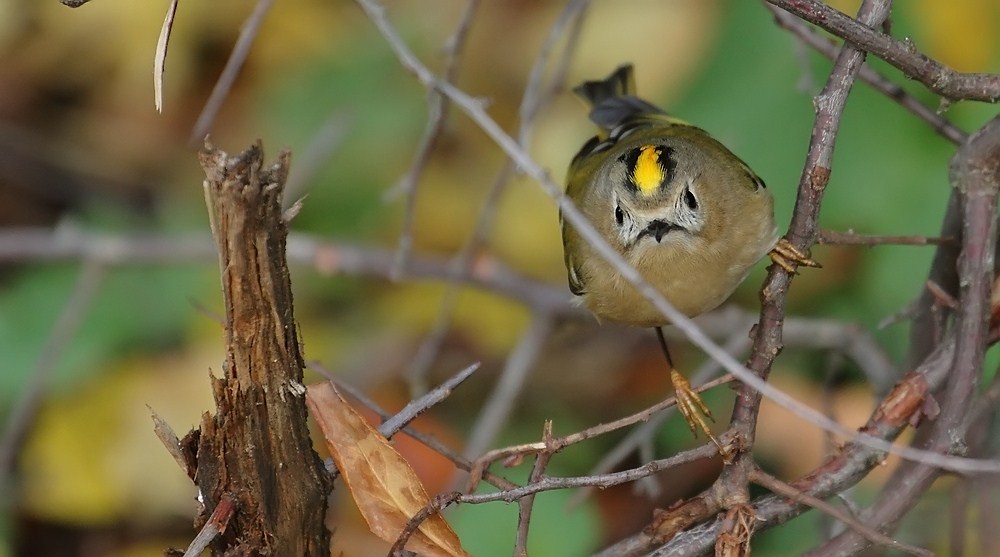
<point>383,485</point>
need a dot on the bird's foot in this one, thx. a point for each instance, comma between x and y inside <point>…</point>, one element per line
<point>693,408</point>
<point>789,257</point>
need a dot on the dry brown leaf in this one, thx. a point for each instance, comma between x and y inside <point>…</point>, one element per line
<point>383,485</point>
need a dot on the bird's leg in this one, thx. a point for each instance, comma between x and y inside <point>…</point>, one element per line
<point>789,257</point>
<point>689,403</point>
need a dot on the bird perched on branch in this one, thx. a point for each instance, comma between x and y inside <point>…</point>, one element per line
<point>682,209</point>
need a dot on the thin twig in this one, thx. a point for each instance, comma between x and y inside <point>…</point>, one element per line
<point>160,56</point>
<point>203,125</point>
<point>214,526</point>
<point>974,173</point>
<point>517,452</point>
<point>170,441</point>
<point>851,238</point>
<point>527,503</point>
<point>436,118</point>
<point>549,483</point>
<point>869,75</point>
<point>433,507</point>
<point>423,438</point>
<point>418,406</point>
<point>536,94</point>
<point>614,456</point>
<point>802,233</point>
<point>317,152</point>
<point>532,101</point>
<point>498,407</point>
<point>60,336</point>
<point>460,263</point>
<point>764,479</point>
<point>326,257</point>
<point>935,76</point>
<point>400,420</point>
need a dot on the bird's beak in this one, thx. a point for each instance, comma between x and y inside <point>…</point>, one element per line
<point>658,229</point>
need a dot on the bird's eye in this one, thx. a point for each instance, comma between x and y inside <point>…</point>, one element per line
<point>690,200</point>
<point>619,215</point>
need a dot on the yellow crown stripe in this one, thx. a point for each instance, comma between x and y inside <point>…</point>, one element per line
<point>648,172</point>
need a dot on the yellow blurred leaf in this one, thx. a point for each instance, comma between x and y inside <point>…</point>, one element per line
<point>383,485</point>
<point>91,453</point>
<point>960,33</point>
<point>487,321</point>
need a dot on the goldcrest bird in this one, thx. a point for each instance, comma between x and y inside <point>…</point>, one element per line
<point>680,207</point>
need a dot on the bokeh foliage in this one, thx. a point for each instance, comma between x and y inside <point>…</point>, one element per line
<point>77,83</point>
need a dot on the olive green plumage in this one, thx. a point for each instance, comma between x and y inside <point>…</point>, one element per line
<point>686,212</point>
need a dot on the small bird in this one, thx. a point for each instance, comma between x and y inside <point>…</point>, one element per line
<point>680,207</point>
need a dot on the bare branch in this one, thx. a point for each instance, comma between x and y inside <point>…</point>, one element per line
<point>67,323</point>
<point>527,503</point>
<point>536,96</point>
<point>901,54</point>
<point>437,115</point>
<point>426,440</point>
<point>518,452</point>
<point>498,407</point>
<point>214,526</point>
<point>241,50</point>
<point>851,238</point>
<point>416,407</point>
<point>764,479</point>
<point>549,483</point>
<point>326,257</point>
<point>877,81</point>
<point>802,233</point>
<point>975,173</point>
<point>614,456</point>
<point>317,152</point>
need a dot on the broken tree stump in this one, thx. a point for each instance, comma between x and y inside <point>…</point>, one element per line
<point>256,448</point>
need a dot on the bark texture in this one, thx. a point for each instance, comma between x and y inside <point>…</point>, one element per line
<point>256,447</point>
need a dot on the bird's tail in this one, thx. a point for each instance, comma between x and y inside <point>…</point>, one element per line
<point>619,84</point>
<point>613,101</point>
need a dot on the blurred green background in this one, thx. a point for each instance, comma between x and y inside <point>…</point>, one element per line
<point>81,148</point>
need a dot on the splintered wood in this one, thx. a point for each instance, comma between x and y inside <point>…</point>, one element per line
<point>256,447</point>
